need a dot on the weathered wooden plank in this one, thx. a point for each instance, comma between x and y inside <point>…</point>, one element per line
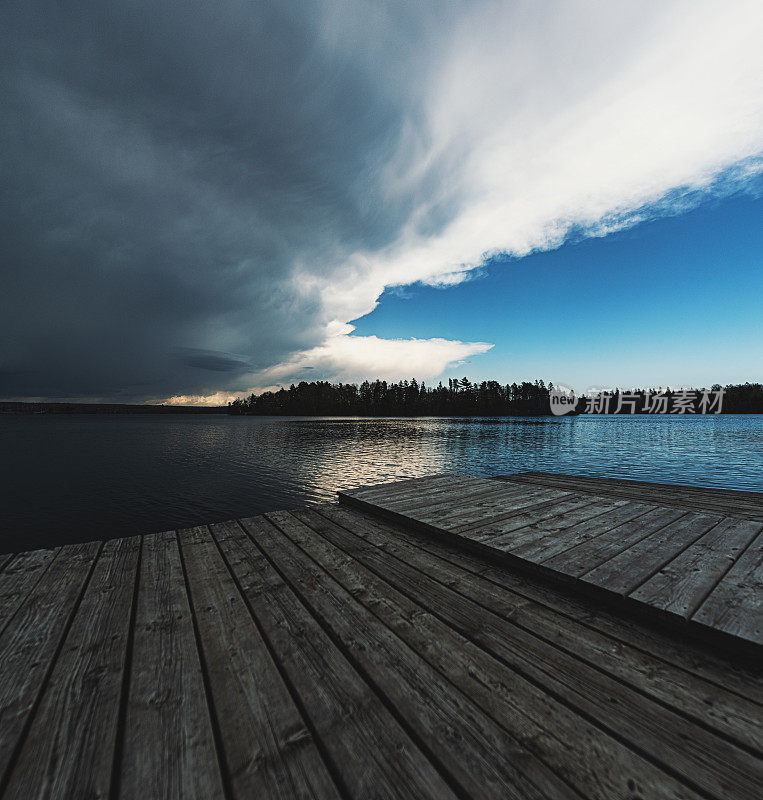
<point>708,762</point>
<point>731,495</point>
<point>594,763</point>
<point>625,572</point>
<point>269,750</point>
<point>445,499</point>
<point>443,483</point>
<point>616,648</point>
<point>741,677</point>
<point>589,554</point>
<point>541,550</point>
<point>412,488</point>
<point>736,603</point>
<point>370,751</point>
<point>586,529</point>
<point>733,503</point>
<point>438,489</point>
<point>439,498</point>
<point>31,640</point>
<point>683,583</point>
<point>19,577</point>
<point>552,528</point>
<point>406,485</point>
<point>498,522</point>
<point>575,482</point>
<point>470,512</point>
<point>169,748</point>
<point>707,664</point>
<point>69,749</point>
<point>597,519</point>
<point>480,757</point>
<point>456,512</point>
<point>422,493</point>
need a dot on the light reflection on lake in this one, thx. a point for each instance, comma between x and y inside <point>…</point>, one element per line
<point>83,477</point>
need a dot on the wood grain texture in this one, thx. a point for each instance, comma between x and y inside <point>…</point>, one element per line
<point>746,505</point>
<point>445,500</point>
<point>616,650</point>
<point>269,751</point>
<point>30,642</point>
<point>558,527</point>
<point>19,577</point>
<point>586,555</point>
<point>648,726</point>
<point>599,518</point>
<point>412,488</point>
<point>169,746</point>
<point>69,749</point>
<point>467,511</point>
<point>736,603</point>
<point>625,572</point>
<point>685,581</point>
<point>705,663</point>
<point>370,751</point>
<point>559,738</point>
<point>405,485</point>
<point>500,522</point>
<point>733,496</point>
<point>481,758</point>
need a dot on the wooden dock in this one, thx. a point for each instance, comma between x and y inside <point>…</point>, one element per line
<point>693,557</point>
<point>332,653</point>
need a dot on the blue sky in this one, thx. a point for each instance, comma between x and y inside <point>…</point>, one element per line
<point>672,301</point>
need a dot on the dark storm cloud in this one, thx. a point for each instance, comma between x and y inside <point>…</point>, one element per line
<point>165,169</point>
<point>215,362</point>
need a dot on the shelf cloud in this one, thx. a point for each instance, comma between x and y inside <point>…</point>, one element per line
<point>199,199</point>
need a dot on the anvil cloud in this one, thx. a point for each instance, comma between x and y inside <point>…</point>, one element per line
<point>199,198</point>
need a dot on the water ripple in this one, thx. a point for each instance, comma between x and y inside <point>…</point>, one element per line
<point>83,477</point>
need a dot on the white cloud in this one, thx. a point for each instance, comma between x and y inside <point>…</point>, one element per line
<point>539,118</point>
<point>354,358</point>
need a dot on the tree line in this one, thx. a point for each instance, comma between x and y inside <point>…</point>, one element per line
<point>460,397</point>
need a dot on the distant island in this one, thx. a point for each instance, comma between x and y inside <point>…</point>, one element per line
<point>462,398</point>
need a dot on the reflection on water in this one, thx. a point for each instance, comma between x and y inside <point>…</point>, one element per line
<point>77,478</point>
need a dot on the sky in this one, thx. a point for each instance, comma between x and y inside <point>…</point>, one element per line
<point>675,301</point>
<point>200,200</point>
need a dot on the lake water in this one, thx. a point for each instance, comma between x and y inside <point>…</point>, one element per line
<point>74,478</point>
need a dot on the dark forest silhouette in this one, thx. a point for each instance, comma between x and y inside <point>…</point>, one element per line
<point>459,398</point>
